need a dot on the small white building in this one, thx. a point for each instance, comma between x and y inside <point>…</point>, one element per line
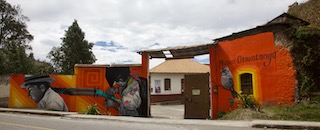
<point>167,79</point>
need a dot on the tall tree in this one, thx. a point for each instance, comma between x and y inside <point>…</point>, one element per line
<point>74,50</point>
<point>14,39</point>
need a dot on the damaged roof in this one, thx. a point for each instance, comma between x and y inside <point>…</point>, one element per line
<point>179,52</point>
<point>278,24</point>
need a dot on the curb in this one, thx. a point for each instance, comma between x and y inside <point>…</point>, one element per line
<point>275,124</point>
<point>163,121</point>
<point>38,112</point>
<point>279,124</point>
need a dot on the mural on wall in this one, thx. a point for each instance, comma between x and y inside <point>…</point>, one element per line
<point>252,65</point>
<point>227,81</point>
<point>128,89</point>
<point>115,90</point>
<point>228,84</point>
<point>39,90</point>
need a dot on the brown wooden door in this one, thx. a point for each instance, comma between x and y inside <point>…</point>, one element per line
<point>196,94</point>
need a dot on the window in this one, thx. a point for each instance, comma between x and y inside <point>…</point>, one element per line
<point>167,84</point>
<point>157,86</point>
<point>246,83</point>
<point>182,85</point>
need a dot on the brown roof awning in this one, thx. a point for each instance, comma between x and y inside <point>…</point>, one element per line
<point>180,51</point>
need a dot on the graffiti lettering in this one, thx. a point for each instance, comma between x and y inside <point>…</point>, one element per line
<point>267,58</point>
<point>226,62</point>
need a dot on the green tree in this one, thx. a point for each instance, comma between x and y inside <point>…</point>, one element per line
<point>306,46</point>
<point>306,53</point>
<point>14,39</point>
<point>74,50</point>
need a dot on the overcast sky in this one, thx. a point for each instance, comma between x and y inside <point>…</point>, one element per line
<point>120,28</point>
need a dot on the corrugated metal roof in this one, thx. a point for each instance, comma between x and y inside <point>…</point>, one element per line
<point>180,66</point>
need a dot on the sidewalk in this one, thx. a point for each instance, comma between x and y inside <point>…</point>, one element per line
<point>255,123</point>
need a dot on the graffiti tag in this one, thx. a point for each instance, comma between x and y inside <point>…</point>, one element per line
<point>266,58</point>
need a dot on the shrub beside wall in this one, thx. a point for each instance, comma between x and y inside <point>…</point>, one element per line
<point>306,54</point>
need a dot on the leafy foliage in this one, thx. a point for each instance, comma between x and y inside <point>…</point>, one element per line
<point>16,60</point>
<point>92,110</point>
<point>74,50</point>
<point>247,101</point>
<point>14,39</point>
<point>306,46</point>
<point>13,26</point>
<point>306,55</point>
<point>42,68</point>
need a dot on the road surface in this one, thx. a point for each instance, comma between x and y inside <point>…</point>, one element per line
<point>10,121</point>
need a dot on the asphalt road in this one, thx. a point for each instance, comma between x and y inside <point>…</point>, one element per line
<point>13,121</point>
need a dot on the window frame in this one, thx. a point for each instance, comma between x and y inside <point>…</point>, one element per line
<point>167,84</point>
<point>246,83</point>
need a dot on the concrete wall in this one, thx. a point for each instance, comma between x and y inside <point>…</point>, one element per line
<point>4,90</point>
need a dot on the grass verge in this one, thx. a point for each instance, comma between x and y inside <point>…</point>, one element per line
<point>305,111</point>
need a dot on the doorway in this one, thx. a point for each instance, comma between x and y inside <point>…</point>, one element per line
<point>197,96</point>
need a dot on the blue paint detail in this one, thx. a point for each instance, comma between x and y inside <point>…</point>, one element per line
<point>231,102</point>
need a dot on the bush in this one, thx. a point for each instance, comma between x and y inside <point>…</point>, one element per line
<point>247,101</point>
<point>306,54</point>
<point>92,110</point>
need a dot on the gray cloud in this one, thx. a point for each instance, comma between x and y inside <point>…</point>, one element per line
<point>139,24</point>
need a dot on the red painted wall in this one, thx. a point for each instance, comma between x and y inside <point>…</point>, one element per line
<point>165,98</point>
<point>271,67</point>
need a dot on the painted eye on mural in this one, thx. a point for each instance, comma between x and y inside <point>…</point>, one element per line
<point>30,87</point>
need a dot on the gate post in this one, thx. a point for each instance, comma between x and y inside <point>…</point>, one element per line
<point>214,86</point>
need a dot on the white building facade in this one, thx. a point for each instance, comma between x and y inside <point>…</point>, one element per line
<point>159,83</point>
<point>167,79</point>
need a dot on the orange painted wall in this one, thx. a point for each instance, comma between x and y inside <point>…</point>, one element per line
<point>84,77</point>
<point>19,96</point>
<point>94,77</point>
<point>270,65</point>
<point>91,77</point>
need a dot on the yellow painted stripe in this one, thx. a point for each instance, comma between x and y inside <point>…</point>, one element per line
<point>25,126</point>
<point>254,81</point>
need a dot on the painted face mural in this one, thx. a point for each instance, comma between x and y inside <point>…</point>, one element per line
<point>127,87</point>
<point>35,92</point>
<point>39,90</point>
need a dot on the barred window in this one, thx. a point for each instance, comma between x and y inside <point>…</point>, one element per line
<point>246,83</point>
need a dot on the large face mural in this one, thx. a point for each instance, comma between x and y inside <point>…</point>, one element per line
<point>40,91</point>
<point>115,91</point>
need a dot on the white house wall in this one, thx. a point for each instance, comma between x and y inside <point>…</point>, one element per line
<point>175,83</point>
